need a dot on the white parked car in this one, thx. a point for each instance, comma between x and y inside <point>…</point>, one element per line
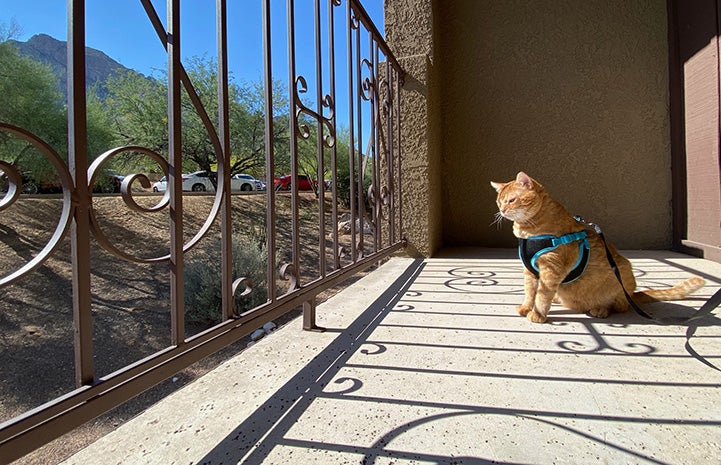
<point>195,182</point>
<point>161,185</point>
<point>246,182</point>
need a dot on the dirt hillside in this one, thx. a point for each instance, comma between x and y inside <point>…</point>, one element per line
<point>130,300</point>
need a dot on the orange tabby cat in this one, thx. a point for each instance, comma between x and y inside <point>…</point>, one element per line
<point>597,291</point>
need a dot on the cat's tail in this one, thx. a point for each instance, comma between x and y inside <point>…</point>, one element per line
<point>677,292</point>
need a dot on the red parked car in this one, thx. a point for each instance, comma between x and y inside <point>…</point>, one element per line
<point>304,183</point>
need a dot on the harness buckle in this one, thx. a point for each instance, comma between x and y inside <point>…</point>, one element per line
<point>568,238</point>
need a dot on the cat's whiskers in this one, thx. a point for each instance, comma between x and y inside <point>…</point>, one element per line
<point>498,220</point>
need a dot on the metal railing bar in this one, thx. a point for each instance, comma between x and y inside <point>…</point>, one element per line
<point>391,146</point>
<point>334,148</point>
<point>78,166</point>
<point>269,151</point>
<point>351,126</point>
<point>320,145</point>
<point>387,107</point>
<point>399,190</point>
<point>375,161</point>
<point>177,280</point>
<point>292,86</point>
<point>361,176</point>
<point>226,225</point>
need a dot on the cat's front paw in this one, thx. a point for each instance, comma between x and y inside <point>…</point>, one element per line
<point>523,310</point>
<point>599,312</point>
<point>536,317</point>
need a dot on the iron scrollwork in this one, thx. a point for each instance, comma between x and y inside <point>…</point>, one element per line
<point>126,194</point>
<point>247,285</point>
<point>302,129</point>
<point>289,273</point>
<point>14,180</point>
<point>368,84</point>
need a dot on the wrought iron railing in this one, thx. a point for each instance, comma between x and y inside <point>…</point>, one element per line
<point>363,188</point>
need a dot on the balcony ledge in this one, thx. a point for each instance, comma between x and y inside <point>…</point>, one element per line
<point>427,361</point>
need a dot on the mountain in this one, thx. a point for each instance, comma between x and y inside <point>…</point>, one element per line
<point>46,49</point>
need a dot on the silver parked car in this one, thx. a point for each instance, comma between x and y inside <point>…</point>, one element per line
<point>246,182</point>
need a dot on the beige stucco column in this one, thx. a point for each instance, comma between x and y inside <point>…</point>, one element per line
<point>409,31</point>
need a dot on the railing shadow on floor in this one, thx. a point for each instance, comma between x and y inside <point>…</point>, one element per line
<point>270,421</point>
<point>252,441</point>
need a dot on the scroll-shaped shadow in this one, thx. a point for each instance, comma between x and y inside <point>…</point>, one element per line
<point>272,420</point>
<point>629,319</point>
<point>371,454</point>
<point>657,310</point>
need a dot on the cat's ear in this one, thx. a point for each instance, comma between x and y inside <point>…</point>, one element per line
<point>524,180</point>
<point>497,185</point>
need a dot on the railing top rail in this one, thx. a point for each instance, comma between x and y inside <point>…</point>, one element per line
<point>373,29</point>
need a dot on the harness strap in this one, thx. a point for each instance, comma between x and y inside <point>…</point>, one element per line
<point>531,248</point>
<point>705,309</point>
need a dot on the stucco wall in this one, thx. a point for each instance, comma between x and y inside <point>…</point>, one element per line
<point>575,93</point>
<point>409,30</point>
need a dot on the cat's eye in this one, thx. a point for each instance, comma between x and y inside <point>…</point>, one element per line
<point>511,200</point>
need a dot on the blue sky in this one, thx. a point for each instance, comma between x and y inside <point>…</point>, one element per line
<point>122,30</point>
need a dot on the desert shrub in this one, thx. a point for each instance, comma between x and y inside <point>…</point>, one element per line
<point>202,279</point>
<point>343,188</point>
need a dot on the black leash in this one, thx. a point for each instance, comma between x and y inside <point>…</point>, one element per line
<point>707,307</point>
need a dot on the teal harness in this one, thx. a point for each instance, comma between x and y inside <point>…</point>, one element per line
<point>529,249</point>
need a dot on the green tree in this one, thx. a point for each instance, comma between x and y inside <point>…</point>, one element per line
<point>248,128</point>
<point>100,134</point>
<point>139,108</point>
<point>136,108</point>
<point>32,101</point>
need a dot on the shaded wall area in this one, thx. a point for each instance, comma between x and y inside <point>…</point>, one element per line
<point>574,93</point>
<point>695,109</point>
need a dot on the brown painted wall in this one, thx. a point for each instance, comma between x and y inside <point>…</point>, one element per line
<point>575,93</point>
<point>697,30</point>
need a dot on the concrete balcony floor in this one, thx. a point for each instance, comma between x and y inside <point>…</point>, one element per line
<point>427,362</point>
